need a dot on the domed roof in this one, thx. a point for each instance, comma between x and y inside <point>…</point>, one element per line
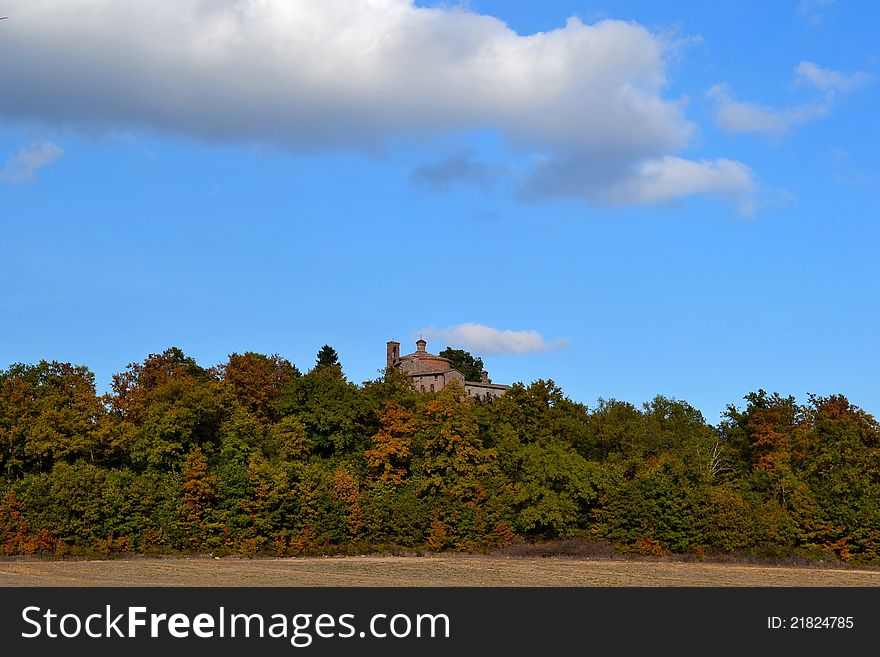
<point>423,358</point>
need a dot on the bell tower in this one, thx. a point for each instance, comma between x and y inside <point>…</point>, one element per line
<point>392,354</point>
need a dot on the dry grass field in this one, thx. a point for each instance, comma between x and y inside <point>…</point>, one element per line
<point>443,570</point>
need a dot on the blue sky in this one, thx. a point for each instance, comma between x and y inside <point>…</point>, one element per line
<point>652,198</point>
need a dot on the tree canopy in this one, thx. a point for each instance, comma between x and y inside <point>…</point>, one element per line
<point>327,357</point>
<point>251,457</point>
<point>464,362</point>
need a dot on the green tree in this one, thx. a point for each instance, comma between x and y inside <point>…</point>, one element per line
<point>615,427</point>
<point>48,412</point>
<point>395,515</point>
<point>394,385</point>
<point>240,436</point>
<point>554,489</point>
<point>457,473</point>
<point>836,453</point>
<point>327,357</point>
<point>464,362</point>
<point>163,408</point>
<point>336,415</point>
<point>655,510</point>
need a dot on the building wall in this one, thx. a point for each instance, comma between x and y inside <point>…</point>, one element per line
<point>436,381</point>
<point>484,390</point>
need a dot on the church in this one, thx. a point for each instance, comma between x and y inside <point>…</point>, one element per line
<point>432,373</point>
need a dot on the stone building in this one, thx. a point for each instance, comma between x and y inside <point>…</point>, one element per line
<point>432,373</point>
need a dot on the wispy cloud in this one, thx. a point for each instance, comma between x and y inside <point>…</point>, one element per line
<point>739,117</point>
<point>828,79</point>
<point>460,168</point>
<point>488,340</point>
<point>813,11</point>
<point>845,171</point>
<point>23,166</point>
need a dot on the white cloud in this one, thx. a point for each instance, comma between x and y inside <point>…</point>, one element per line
<point>338,74</point>
<point>23,166</point>
<point>487,340</point>
<point>828,79</point>
<point>670,178</point>
<point>813,10</point>
<point>741,117</point>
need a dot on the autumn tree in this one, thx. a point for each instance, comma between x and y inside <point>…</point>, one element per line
<point>346,489</point>
<point>16,534</point>
<point>761,435</point>
<point>163,408</point>
<point>256,381</point>
<point>197,505</point>
<point>391,447</point>
<point>252,457</point>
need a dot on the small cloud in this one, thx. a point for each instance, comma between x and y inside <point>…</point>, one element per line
<point>671,178</point>
<point>741,117</point>
<point>813,11</point>
<point>485,339</point>
<point>845,171</point>
<point>487,216</point>
<point>23,166</point>
<point>665,181</point>
<point>460,168</point>
<point>678,43</point>
<point>828,79</point>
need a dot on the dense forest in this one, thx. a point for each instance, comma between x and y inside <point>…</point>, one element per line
<point>252,457</point>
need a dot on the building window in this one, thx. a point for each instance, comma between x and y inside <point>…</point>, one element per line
<point>423,388</point>
<point>432,387</point>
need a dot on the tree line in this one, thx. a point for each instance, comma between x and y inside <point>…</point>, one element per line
<point>253,457</point>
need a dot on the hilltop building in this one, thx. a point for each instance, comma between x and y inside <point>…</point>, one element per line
<point>432,373</point>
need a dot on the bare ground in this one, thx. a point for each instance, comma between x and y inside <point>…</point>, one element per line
<point>439,570</point>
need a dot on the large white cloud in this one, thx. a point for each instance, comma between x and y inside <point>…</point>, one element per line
<point>488,340</point>
<point>325,74</point>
